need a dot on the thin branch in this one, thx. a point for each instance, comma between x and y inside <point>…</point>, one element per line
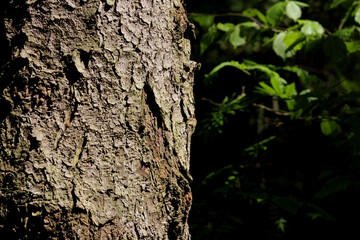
<point>347,15</point>
<point>211,101</point>
<point>243,94</point>
<point>277,112</point>
<point>327,31</point>
<point>315,70</point>
<point>243,91</point>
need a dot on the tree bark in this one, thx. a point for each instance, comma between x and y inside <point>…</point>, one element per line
<point>97,112</point>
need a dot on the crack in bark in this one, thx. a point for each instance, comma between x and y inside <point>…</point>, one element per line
<point>71,72</point>
<point>153,106</point>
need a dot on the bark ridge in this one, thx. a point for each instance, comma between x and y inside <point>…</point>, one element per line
<point>98,112</point>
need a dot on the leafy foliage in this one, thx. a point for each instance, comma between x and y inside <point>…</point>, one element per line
<point>283,93</point>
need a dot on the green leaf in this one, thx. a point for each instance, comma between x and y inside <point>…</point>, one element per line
<point>352,46</point>
<point>334,47</point>
<point>252,12</point>
<point>330,127</point>
<point>311,27</point>
<point>255,149</point>
<point>344,33</point>
<point>313,43</point>
<point>290,90</point>
<point>275,14</point>
<point>281,224</point>
<point>304,75</point>
<point>325,174</point>
<point>336,3</point>
<point>291,105</point>
<point>226,27</point>
<point>230,178</point>
<point>334,185</point>
<point>235,64</point>
<point>208,38</point>
<point>266,89</point>
<point>321,212</point>
<point>277,85</point>
<point>250,25</point>
<point>235,39</point>
<point>301,4</point>
<point>294,41</point>
<point>350,10</point>
<point>250,65</point>
<point>204,21</point>
<point>357,16</point>
<point>280,48</point>
<point>289,204</point>
<point>293,11</point>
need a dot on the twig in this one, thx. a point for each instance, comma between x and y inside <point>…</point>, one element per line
<point>211,101</point>
<point>277,112</point>
<point>347,15</point>
<point>315,70</point>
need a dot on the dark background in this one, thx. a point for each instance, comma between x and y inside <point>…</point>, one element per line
<point>284,181</point>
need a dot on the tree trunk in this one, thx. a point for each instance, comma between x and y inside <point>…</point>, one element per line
<point>97,112</point>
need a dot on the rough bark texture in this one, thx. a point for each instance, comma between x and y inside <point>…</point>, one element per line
<point>96,118</point>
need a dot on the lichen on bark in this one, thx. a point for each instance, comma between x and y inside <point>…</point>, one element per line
<point>95,139</point>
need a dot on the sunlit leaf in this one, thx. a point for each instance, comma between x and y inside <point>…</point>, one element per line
<point>290,90</point>
<point>226,27</point>
<point>311,27</point>
<point>277,85</point>
<point>352,46</point>
<point>357,16</point>
<point>280,48</point>
<point>235,64</point>
<point>294,40</point>
<point>251,65</point>
<point>250,25</point>
<point>301,4</point>
<point>266,89</point>
<point>293,11</point>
